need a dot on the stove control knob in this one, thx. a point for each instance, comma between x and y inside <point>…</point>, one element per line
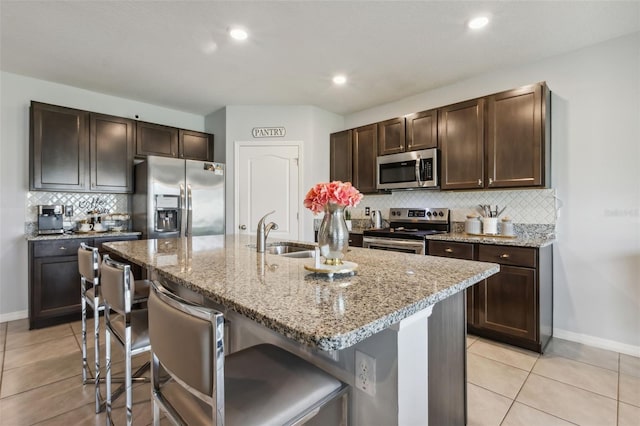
<point>441,214</point>
<point>429,214</point>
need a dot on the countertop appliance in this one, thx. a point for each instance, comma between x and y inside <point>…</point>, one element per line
<point>407,230</point>
<point>178,198</point>
<point>50,219</point>
<point>408,170</point>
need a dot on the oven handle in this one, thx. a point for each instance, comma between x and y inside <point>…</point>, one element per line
<point>418,169</point>
<point>390,243</point>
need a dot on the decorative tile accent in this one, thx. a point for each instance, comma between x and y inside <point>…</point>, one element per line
<point>81,202</point>
<point>530,206</point>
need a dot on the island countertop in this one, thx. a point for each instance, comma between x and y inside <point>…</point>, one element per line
<point>277,291</point>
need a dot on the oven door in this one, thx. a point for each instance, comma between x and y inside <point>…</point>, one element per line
<point>393,244</point>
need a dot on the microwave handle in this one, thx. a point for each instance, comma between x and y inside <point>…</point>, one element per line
<point>418,167</point>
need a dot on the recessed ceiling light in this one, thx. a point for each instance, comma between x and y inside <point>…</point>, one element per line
<point>238,33</point>
<point>478,22</point>
<point>339,80</point>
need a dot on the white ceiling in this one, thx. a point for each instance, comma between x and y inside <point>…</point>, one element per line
<point>161,52</point>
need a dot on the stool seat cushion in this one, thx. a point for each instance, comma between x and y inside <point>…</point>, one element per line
<point>264,385</point>
<point>139,328</point>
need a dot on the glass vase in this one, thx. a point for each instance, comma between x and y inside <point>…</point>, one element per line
<point>333,235</point>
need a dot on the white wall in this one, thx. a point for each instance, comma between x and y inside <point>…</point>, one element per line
<point>308,124</point>
<point>595,169</point>
<point>16,92</point>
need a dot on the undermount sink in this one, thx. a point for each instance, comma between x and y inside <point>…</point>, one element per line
<point>291,250</point>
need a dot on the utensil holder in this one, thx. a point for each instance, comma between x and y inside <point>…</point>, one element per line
<point>490,225</point>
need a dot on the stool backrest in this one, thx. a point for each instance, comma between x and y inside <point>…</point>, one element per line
<point>117,284</point>
<point>88,262</point>
<point>188,341</point>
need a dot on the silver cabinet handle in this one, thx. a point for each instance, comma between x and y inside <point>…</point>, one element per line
<point>504,256</point>
<point>448,250</point>
<point>490,181</point>
<point>479,182</point>
<point>63,248</point>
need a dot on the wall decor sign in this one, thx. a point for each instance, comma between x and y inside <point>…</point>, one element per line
<point>268,132</point>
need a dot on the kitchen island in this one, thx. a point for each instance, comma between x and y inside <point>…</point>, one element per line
<point>381,312</point>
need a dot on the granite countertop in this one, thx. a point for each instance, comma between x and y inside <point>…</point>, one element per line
<point>536,240</point>
<point>80,235</point>
<point>277,291</point>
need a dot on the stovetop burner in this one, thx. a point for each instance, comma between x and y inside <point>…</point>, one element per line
<point>413,224</point>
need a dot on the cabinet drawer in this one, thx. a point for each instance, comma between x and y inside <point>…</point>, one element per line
<point>59,247</point>
<point>506,255</point>
<point>449,249</point>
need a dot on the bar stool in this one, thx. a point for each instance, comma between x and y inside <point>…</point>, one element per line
<point>128,326</point>
<point>197,384</point>
<point>89,268</point>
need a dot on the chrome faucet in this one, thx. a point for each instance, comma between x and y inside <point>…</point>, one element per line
<point>263,232</point>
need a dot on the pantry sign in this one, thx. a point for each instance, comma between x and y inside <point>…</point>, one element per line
<point>268,132</point>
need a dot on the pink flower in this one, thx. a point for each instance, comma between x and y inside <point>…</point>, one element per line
<point>341,193</point>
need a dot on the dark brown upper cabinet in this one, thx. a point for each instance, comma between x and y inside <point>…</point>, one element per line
<point>155,139</point>
<point>461,138</point>
<point>59,149</point>
<point>422,130</point>
<point>518,137</point>
<point>195,145</point>
<point>365,152</point>
<point>391,136</point>
<point>111,142</point>
<point>341,156</point>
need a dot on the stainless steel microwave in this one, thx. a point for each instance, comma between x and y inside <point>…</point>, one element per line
<point>408,170</point>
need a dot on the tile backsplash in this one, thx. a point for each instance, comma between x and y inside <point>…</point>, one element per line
<point>81,202</point>
<point>528,206</point>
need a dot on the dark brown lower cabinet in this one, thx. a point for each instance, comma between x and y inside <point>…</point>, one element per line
<point>515,306</point>
<point>54,280</point>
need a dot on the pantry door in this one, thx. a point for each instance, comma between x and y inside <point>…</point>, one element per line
<point>267,178</point>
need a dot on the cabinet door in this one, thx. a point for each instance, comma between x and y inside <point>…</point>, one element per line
<point>59,148</point>
<point>340,154</point>
<point>111,145</point>
<point>507,302</point>
<point>196,145</point>
<point>55,293</point>
<point>391,136</point>
<point>461,137</point>
<point>422,130</point>
<point>515,145</point>
<point>154,139</point>
<point>365,152</point>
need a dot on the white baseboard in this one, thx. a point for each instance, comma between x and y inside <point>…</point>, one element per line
<point>12,316</point>
<point>597,342</point>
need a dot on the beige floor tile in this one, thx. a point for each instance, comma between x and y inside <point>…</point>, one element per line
<point>44,402</point>
<point>3,333</point>
<point>630,390</point>
<point>630,365</point>
<point>523,415</point>
<point>39,352</point>
<point>579,374</point>
<point>471,340</point>
<point>628,415</point>
<point>485,408</point>
<point>587,354</point>
<point>19,335</point>
<point>568,402</point>
<point>31,376</point>
<point>494,376</point>
<point>515,357</point>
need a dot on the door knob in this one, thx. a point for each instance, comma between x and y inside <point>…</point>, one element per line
<point>243,227</point>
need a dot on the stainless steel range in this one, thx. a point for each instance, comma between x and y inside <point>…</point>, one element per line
<point>407,230</point>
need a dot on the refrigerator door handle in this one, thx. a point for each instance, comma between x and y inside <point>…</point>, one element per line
<point>189,211</point>
<point>183,203</point>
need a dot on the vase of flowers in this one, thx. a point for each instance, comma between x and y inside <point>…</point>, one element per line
<point>333,235</point>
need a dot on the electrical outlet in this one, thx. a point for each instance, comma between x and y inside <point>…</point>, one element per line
<point>68,211</point>
<point>365,373</point>
<point>367,211</point>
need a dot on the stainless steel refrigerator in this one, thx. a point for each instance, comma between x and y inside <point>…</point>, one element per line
<point>178,198</point>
